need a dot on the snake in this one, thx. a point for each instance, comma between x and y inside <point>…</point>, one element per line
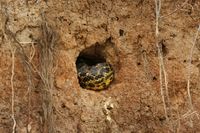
<point>95,75</point>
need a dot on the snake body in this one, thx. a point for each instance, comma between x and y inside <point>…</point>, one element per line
<point>97,76</point>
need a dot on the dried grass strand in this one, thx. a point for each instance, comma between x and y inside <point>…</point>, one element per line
<point>13,90</point>
<point>162,71</point>
<point>189,68</point>
<point>46,64</point>
<point>184,3</point>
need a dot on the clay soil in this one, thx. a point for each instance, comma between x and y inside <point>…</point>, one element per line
<point>156,86</point>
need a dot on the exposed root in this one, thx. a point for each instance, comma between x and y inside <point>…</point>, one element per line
<point>16,45</point>
<point>46,63</point>
<point>163,72</point>
<point>13,90</point>
<point>189,72</point>
<point>189,68</point>
<point>13,50</point>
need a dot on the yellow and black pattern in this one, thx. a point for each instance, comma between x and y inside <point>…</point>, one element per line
<point>95,77</point>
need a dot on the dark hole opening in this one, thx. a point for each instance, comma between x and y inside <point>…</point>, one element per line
<point>154,78</point>
<point>92,69</point>
<point>138,63</point>
<point>89,60</point>
<point>63,105</point>
<point>121,32</point>
<point>91,56</point>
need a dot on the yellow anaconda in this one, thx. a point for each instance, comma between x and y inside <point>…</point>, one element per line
<point>95,76</point>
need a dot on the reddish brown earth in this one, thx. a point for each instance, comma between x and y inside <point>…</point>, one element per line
<point>46,94</point>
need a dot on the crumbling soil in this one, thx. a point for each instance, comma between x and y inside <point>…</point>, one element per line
<point>40,42</point>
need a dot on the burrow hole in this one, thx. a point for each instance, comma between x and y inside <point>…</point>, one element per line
<point>91,56</point>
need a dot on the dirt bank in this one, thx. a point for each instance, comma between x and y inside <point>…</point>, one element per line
<point>155,89</point>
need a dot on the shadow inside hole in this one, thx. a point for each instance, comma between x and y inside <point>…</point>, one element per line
<point>91,56</point>
<point>89,60</point>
